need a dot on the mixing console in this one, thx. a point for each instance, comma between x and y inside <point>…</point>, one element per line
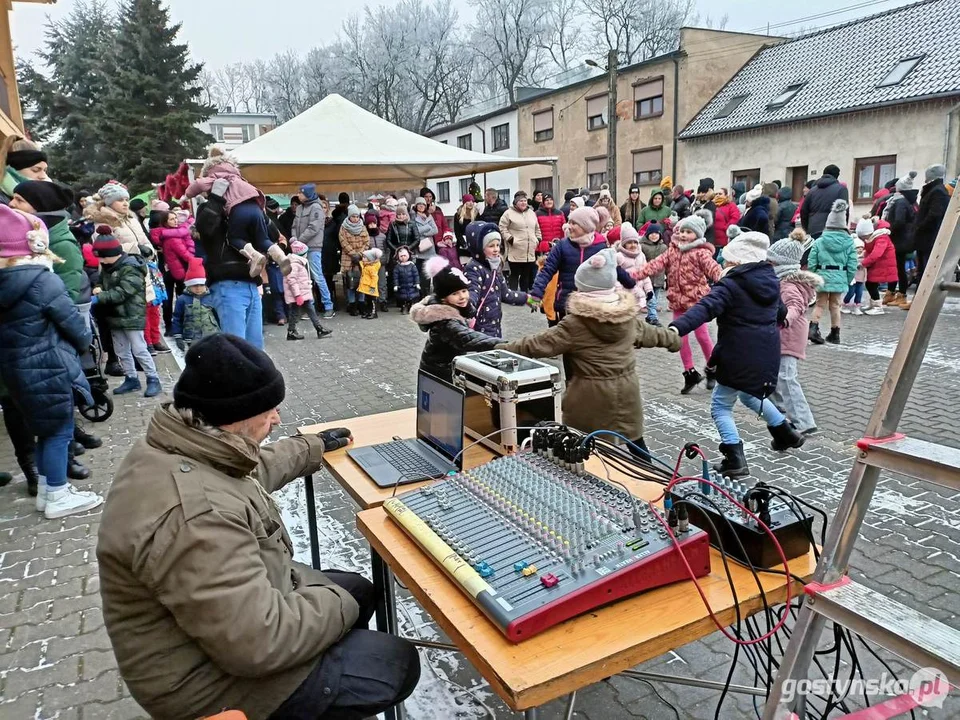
<point>534,543</point>
<point>791,531</point>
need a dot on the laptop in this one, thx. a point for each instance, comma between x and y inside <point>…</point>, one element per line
<point>437,449</point>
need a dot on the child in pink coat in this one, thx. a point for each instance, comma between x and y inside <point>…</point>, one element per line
<point>298,293</point>
<point>630,257</point>
<point>174,240</point>
<point>798,288</point>
<point>689,265</point>
<point>247,230</point>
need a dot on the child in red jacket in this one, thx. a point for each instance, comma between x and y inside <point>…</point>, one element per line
<point>879,258</point>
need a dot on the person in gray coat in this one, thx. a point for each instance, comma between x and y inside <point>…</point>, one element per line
<point>308,225</point>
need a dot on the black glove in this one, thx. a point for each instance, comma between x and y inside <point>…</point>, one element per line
<point>335,439</point>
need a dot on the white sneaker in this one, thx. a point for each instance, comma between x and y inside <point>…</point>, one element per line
<point>874,310</point>
<point>857,310</point>
<point>67,500</point>
<point>41,493</point>
<point>845,309</point>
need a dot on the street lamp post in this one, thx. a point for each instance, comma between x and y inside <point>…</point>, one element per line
<point>611,68</point>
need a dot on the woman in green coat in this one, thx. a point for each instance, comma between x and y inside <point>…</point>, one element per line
<point>656,210</point>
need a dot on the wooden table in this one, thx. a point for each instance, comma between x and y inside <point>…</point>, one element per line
<point>567,657</point>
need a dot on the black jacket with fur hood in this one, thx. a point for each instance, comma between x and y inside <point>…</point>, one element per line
<point>448,336</point>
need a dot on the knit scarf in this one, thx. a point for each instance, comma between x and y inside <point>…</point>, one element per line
<point>585,240</point>
<point>601,296</point>
<point>628,253</point>
<point>354,228</point>
<point>788,269</point>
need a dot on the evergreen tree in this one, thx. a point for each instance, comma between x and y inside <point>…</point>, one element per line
<point>153,104</point>
<point>68,96</point>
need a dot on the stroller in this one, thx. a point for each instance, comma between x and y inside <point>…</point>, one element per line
<point>102,407</point>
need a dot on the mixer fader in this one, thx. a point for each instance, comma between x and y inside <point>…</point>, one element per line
<point>533,543</point>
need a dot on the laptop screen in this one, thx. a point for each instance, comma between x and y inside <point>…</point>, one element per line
<point>440,415</point>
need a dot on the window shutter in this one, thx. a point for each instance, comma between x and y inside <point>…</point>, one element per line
<point>647,161</point>
<point>597,106</point>
<point>543,121</point>
<point>648,90</point>
<point>595,167</point>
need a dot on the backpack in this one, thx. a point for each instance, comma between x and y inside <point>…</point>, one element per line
<point>159,289</point>
<point>199,320</point>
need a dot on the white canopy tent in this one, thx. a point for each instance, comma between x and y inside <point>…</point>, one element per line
<point>340,146</point>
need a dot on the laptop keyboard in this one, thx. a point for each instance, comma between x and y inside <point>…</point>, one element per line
<point>410,463</point>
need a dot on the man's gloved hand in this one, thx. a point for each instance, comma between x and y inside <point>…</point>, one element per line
<point>220,187</point>
<point>335,439</point>
<point>181,345</point>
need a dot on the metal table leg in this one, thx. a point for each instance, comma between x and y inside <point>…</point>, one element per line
<point>312,522</point>
<point>386,613</point>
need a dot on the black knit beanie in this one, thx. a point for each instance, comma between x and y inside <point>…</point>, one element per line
<point>22,159</point>
<point>45,196</point>
<point>226,380</point>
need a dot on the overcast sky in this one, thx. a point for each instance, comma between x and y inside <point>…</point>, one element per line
<point>224,31</point>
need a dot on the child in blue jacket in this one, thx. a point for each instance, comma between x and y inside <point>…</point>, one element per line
<point>747,306</point>
<point>488,287</point>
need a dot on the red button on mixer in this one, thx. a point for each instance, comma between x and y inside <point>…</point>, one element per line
<point>549,580</point>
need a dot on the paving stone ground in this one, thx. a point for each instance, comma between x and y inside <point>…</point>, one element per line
<point>55,657</point>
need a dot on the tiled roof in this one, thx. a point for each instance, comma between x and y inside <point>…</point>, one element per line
<point>840,69</point>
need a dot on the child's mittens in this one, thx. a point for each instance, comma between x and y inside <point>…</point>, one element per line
<point>220,187</point>
<point>674,339</point>
<point>300,301</point>
<point>533,302</point>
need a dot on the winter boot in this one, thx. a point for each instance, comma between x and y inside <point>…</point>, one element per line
<point>323,332</point>
<point>151,350</point>
<point>293,334</point>
<point>33,479</point>
<point>153,387</point>
<point>256,260</point>
<point>711,374</point>
<point>734,463</point>
<point>691,378</point>
<point>814,335</point>
<point>352,310</point>
<point>5,478</point>
<point>161,347</point>
<point>113,368</point>
<point>75,470</point>
<point>903,303</point>
<point>847,308</point>
<point>280,258</point>
<point>384,308</point>
<point>857,309</point>
<point>785,436</point>
<point>67,500</point>
<point>888,297</point>
<point>90,442</point>
<point>76,448</point>
<point>834,337</point>
<point>129,385</point>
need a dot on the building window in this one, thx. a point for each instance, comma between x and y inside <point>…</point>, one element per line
<point>543,126</point>
<point>648,166</point>
<point>786,96</point>
<point>464,186</point>
<point>597,112</point>
<point>444,142</point>
<point>465,142</point>
<point>443,191</point>
<point>501,137</point>
<point>648,99</point>
<point>596,173</point>
<point>544,185</point>
<point>748,177</point>
<point>900,71</point>
<point>217,132</point>
<point>873,173</point>
<point>732,104</point>
<point>504,195</point>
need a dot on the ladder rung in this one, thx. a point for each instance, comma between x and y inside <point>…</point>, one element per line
<point>916,637</point>
<point>938,464</point>
<point>951,287</point>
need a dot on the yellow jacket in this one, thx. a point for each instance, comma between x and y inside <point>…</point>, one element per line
<point>369,278</point>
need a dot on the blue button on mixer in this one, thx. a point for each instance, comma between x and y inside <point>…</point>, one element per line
<point>483,569</point>
<point>519,566</point>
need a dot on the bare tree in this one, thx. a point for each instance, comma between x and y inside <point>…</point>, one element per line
<point>209,87</point>
<point>563,39</point>
<point>508,36</point>
<point>287,93</point>
<point>638,29</point>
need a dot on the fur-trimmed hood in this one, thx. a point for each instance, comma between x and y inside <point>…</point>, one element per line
<point>687,247</point>
<point>225,162</point>
<point>45,260</point>
<point>803,277</point>
<point>101,214</point>
<point>604,320</point>
<point>429,311</point>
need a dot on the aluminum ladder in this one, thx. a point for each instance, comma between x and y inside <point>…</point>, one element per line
<point>832,595</point>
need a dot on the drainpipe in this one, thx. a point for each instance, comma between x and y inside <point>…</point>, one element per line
<point>948,141</point>
<point>483,141</point>
<point>676,117</point>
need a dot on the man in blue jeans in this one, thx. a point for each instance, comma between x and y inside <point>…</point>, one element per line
<point>236,295</point>
<point>308,228</point>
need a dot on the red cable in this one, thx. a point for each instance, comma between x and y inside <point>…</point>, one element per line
<point>776,628</point>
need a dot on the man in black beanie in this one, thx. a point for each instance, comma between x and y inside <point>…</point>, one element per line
<point>819,201</point>
<point>203,603</point>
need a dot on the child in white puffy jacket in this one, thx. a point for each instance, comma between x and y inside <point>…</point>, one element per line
<point>298,292</point>
<point>630,257</point>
